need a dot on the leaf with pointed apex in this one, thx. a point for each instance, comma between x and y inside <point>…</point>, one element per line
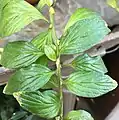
<point>50,52</point>
<point>83,33</point>
<point>45,104</point>
<point>90,84</point>
<point>44,38</point>
<point>87,63</point>
<point>52,83</point>
<point>42,3</point>
<point>19,54</point>
<point>28,79</point>
<point>16,14</point>
<point>78,115</point>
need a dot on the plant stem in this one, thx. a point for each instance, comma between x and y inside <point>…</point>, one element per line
<point>60,86</point>
<point>58,64</point>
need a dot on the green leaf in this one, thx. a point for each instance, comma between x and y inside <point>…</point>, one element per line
<point>19,54</point>
<point>78,115</point>
<point>46,104</point>
<point>44,38</point>
<point>82,33</point>
<point>87,63</point>
<point>42,3</point>
<point>90,84</point>
<point>43,60</point>
<point>78,15</point>
<point>28,79</point>
<point>18,115</point>
<point>16,14</point>
<point>50,52</point>
<point>52,83</point>
<point>113,4</point>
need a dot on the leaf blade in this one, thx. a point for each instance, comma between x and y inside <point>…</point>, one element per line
<point>90,84</point>
<point>44,104</point>
<point>87,63</point>
<point>42,3</point>
<point>44,38</point>
<point>19,54</point>
<point>28,79</point>
<point>78,115</point>
<point>50,52</point>
<point>10,20</point>
<point>83,34</point>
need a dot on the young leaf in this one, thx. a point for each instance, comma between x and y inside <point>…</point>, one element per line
<point>19,54</point>
<point>16,14</point>
<point>90,84</point>
<point>78,115</point>
<point>44,38</point>
<point>52,83</point>
<point>87,63</point>
<point>42,3</point>
<point>28,79</point>
<point>84,33</point>
<point>46,104</point>
<point>50,52</point>
<point>113,4</point>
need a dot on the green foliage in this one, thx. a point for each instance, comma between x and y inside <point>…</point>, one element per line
<point>82,33</point>
<point>113,4</point>
<point>89,84</point>
<point>12,21</point>
<point>87,63</point>
<point>30,60</point>
<point>42,3</point>
<point>28,79</point>
<point>44,38</point>
<point>19,54</point>
<point>50,51</point>
<point>45,104</point>
<point>78,115</point>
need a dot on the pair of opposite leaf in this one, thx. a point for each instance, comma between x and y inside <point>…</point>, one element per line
<point>84,29</point>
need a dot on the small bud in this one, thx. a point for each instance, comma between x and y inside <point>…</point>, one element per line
<point>52,11</point>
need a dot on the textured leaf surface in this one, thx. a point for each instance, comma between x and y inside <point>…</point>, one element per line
<point>44,38</point>
<point>87,63</point>
<point>52,83</point>
<point>28,79</point>
<point>90,84</point>
<point>78,115</point>
<point>16,14</point>
<point>42,3</point>
<point>83,34</point>
<point>80,14</point>
<point>19,54</point>
<point>44,104</point>
<point>50,52</point>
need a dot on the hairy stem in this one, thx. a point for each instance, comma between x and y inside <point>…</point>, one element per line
<point>56,42</point>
